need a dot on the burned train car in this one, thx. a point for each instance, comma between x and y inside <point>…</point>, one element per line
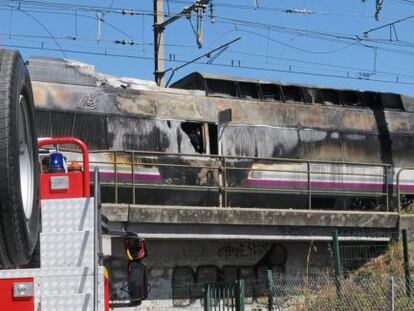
<point>285,146</point>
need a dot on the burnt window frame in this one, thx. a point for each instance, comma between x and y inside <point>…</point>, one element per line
<point>360,101</point>
<point>324,92</point>
<point>209,142</point>
<point>278,92</point>
<point>211,92</point>
<point>253,85</point>
<point>307,102</point>
<point>283,87</point>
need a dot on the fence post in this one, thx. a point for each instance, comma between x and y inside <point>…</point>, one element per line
<point>337,254</point>
<point>207,297</point>
<point>270,286</point>
<point>337,262</point>
<point>392,293</point>
<point>240,295</point>
<point>309,184</point>
<point>407,273</point>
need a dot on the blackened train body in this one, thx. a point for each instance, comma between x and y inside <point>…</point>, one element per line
<point>286,146</point>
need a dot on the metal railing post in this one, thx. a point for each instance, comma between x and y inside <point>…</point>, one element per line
<point>97,241</point>
<point>392,293</point>
<point>116,176</point>
<point>207,297</point>
<point>398,192</point>
<point>221,201</point>
<point>309,185</point>
<point>133,176</point>
<point>387,189</point>
<point>270,286</point>
<point>407,272</point>
<point>240,295</point>
<point>225,182</point>
<point>337,263</point>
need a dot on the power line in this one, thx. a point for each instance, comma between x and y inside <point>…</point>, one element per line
<point>45,28</point>
<point>369,79</point>
<point>25,37</point>
<point>326,36</point>
<point>74,7</point>
<point>283,10</point>
<point>335,37</point>
<point>392,24</point>
<point>348,39</point>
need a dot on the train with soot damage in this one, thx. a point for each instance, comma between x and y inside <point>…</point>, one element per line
<point>286,146</point>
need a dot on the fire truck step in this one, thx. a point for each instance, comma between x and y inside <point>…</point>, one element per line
<point>67,249</point>
<point>66,215</point>
<point>78,302</point>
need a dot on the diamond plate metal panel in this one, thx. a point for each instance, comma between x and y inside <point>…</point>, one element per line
<point>70,249</point>
<point>53,285</point>
<point>67,303</point>
<point>45,272</point>
<point>66,285</point>
<point>67,215</point>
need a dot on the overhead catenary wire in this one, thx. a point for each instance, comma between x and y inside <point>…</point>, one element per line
<point>46,6</point>
<point>327,36</point>
<point>268,69</point>
<point>278,42</point>
<point>26,37</point>
<point>316,65</point>
<point>404,46</point>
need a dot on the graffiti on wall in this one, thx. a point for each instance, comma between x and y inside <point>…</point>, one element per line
<point>242,250</point>
<point>188,282</point>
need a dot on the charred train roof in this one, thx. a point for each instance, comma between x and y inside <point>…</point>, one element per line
<point>228,86</point>
<point>64,71</point>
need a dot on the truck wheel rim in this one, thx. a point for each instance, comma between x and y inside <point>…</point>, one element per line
<point>25,157</point>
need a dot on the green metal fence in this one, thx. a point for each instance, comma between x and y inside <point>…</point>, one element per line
<point>224,296</point>
<point>295,292</point>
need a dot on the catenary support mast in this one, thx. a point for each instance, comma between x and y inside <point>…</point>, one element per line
<point>159,26</point>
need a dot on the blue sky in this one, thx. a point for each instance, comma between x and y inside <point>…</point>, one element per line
<point>324,41</point>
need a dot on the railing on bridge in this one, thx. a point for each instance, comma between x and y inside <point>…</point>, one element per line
<point>226,175</point>
<point>403,189</point>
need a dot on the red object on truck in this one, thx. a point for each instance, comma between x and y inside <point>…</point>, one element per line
<point>65,185</point>
<point>10,301</point>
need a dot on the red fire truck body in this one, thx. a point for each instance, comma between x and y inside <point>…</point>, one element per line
<point>69,276</point>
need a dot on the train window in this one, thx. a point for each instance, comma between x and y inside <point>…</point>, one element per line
<point>292,93</point>
<point>194,130</point>
<point>392,101</point>
<point>372,100</point>
<point>203,136</point>
<point>312,96</point>
<point>271,91</point>
<point>212,135</point>
<point>221,87</point>
<point>350,98</point>
<point>330,97</point>
<point>248,90</point>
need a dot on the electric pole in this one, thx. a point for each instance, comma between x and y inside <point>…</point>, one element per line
<point>199,7</point>
<point>159,42</point>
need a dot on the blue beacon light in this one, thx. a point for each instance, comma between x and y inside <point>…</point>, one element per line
<point>56,163</point>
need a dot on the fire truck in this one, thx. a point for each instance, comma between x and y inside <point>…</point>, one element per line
<point>50,225</point>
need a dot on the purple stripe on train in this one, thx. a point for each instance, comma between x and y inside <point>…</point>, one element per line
<point>265,183</point>
<point>322,185</point>
<point>127,177</point>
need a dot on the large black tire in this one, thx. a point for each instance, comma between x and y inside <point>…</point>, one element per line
<point>19,167</point>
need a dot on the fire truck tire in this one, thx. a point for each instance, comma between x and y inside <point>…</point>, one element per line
<point>19,167</point>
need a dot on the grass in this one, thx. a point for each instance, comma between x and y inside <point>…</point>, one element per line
<point>390,263</point>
